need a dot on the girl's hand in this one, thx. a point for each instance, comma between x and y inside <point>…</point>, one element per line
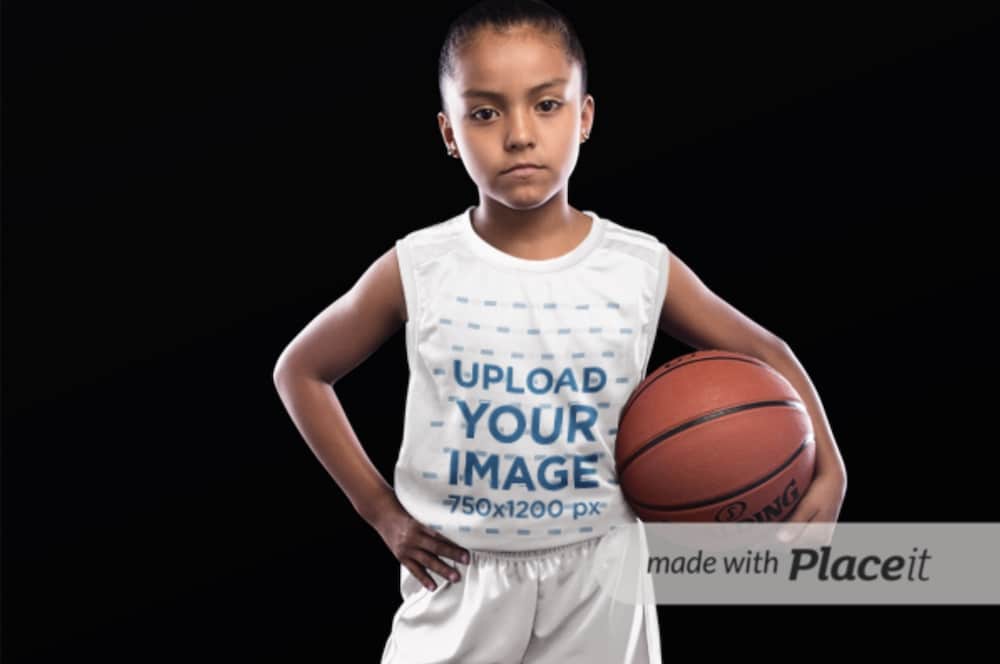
<point>418,547</point>
<point>820,505</point>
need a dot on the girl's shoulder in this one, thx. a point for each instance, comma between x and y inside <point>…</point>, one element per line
<point>635,242</point>
<point>623,233</point>
<point>436,233</point>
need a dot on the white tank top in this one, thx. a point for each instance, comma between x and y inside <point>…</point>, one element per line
<point>519,369</point>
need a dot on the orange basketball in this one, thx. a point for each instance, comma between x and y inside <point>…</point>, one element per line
<point>714,436</point>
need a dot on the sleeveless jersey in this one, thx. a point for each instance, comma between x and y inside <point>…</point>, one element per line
<point>519,369</point>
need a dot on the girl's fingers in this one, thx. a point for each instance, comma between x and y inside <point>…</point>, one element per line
<point>436,564</point>
<point>443,546</point>
<point>422,576</point>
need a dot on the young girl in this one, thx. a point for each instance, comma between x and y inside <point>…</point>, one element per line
<point>528,323</point>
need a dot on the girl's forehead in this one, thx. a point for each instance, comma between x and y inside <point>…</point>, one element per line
<point>498,60</point>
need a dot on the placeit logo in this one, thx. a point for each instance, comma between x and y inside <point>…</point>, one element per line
<point>772,511</point>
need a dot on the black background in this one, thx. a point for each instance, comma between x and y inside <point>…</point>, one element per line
<point>186,186</point>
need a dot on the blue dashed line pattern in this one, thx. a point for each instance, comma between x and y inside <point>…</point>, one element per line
<point>518,304</point>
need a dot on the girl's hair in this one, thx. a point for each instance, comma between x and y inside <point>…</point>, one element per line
<point>503,15</point>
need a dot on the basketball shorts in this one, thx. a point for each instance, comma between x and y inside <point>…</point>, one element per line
<point>546,606</point>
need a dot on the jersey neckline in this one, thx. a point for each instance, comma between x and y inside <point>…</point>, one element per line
<point>490,253</point>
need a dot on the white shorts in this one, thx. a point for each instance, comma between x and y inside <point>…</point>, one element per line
<point>537,607</point>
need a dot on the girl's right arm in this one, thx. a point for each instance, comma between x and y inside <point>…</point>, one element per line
<point>330,346</point>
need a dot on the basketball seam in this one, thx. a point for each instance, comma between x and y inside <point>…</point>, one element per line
<point>717,499</point>
<point>667,368</point>
<point>707,417</point>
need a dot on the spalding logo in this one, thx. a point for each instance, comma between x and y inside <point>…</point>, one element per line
<point>772,511</point>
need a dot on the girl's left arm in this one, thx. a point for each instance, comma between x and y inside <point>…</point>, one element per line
<point>696,316</point>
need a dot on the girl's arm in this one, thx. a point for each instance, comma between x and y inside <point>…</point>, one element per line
<point>696,316</point>
<point>329,347</point>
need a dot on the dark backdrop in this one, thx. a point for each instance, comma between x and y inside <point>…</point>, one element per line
<point>186,186</point>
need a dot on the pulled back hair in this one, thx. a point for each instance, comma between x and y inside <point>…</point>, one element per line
<point>504,15</point>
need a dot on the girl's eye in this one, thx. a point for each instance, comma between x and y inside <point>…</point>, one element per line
<point>476,115</point>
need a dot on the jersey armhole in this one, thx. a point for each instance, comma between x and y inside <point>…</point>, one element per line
<point>659,294</point>
<point>406,275</point>
<point>412,305</point>
<point>661,284</point>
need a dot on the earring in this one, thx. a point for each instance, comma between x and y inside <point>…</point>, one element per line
<point>452,151</point>
<point>586,135</point>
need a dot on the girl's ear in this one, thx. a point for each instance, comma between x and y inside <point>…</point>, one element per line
<point>587,115</point>
<point>447,133</point>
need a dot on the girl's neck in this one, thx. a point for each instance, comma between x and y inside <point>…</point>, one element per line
<point>536,234</point>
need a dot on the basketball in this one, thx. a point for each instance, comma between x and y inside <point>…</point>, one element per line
<point>714,436</point>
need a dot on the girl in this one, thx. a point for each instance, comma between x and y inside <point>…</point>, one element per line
<point>528,324</point>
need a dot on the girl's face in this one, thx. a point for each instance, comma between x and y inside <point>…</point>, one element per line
<point>498,114</point>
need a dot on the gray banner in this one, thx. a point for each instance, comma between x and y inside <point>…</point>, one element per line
<point>825,563</point>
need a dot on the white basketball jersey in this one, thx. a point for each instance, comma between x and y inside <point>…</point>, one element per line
<point>519,369</point>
